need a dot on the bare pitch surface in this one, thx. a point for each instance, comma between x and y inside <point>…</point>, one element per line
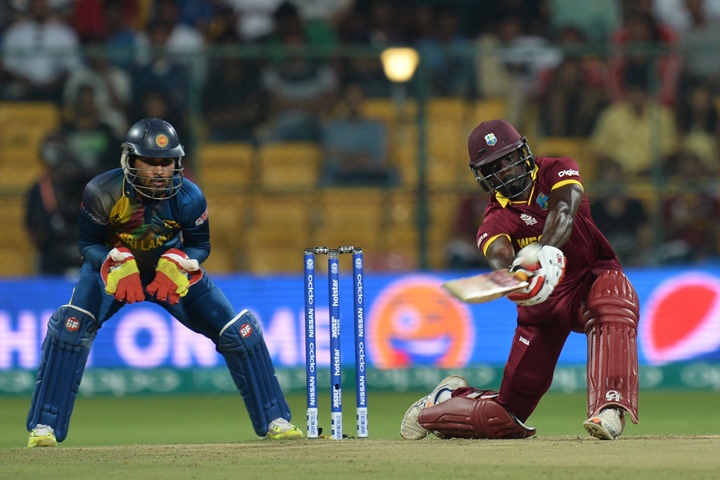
<point>209,437</point>
<point>636,457</point>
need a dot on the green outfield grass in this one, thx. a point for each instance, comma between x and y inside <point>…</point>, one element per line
<point>210,437</point>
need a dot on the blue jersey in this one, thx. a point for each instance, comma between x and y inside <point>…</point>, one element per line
<point>112,215</point>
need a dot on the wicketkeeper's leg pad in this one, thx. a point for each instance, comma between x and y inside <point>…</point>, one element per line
<point>472,413</point>
<point>71,331</point>
<point>242,345</point>
<point>611,318</point>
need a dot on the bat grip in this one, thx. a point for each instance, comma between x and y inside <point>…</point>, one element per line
<point>520,275</point>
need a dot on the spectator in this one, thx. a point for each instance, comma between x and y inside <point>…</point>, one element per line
<point>287,20</point>
<point>162,72</point>
<point>378,24</point>
<point>681,15</point>
<point>699,125</point>
<point>690,231</point>
<point>301,90</point>
<point>111,84</point>
<point>184,44</point>
<point>119,38</point>
<point>223,27</point>
<point>637,132</point>
<point>321,19</point>
<point>699,42</point>
<point>234,103</point>
<point>621,217</point>
<point>91,140</point>
<point>355,147</point>
<point>572,94</point>
<point>512,70</point>
<point>444,53</point>
<point>255,17</point>
<point>38,51</point>
<point>595,19</point>
<point>639,32</point>
<point>53,208</point>
<point>461,251</point>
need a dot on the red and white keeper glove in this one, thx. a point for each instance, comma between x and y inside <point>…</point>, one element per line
<point>121,276</point>
<point>174,274</point>
<point>544,266</point>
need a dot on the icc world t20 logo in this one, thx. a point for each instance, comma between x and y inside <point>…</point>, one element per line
<point>415,322</point>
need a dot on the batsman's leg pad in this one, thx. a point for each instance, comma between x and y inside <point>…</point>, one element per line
<point>71,331</point>
<point>611,318</point>
<point>242,345</point>
<point>472,414</point>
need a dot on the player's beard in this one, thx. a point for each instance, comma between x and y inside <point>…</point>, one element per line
<point>516,187</point>
<point>155,187</point>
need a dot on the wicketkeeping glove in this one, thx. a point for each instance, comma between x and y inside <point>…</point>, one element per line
<point>174,274</point>
<point>120,274</point>
<point>545,267</point>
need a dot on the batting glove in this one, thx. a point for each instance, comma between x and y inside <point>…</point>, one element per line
<point>175,273</point>
<point>121,276</point>
<point>545,267</point>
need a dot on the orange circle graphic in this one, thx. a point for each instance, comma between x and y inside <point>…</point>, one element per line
<point>415,322</point>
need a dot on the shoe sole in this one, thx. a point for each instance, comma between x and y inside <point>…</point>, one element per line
<point>43,442</point>
<point>595,428</point>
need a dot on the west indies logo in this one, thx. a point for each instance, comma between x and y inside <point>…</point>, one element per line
<point>415,322</point>
<point>682,319</point>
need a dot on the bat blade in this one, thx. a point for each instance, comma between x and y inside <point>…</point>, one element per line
<point>484,287</point>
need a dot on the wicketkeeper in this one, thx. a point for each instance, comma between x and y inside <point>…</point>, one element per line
<point>144,233</point>
<point>538,222</point>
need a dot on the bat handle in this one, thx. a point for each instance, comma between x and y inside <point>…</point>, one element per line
<point>521,276</point>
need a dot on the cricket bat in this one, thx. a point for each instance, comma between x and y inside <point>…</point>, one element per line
<point>486,286</point>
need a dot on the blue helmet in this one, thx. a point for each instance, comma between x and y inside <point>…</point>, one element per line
<point>152,138</point>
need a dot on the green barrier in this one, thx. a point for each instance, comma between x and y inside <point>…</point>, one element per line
<point>121,382</point>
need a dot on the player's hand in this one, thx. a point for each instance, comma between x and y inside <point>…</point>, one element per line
<point>175,273</point>
<point>544,266</point>
<point>120,274</point>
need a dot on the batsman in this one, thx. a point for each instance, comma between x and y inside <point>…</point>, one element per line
<point>538,224</point>
<point>144,232</point>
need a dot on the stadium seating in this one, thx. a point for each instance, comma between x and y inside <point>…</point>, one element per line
<point>289,165</point>
<point>22,128</point>
<point>226,166</point>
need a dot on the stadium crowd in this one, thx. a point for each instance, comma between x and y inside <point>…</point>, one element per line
<point>636,82</point>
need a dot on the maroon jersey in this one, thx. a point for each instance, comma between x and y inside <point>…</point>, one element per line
<point>522,222</point>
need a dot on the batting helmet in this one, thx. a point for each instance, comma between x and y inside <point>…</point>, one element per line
<point>152,138</point>
<point>488,146</point>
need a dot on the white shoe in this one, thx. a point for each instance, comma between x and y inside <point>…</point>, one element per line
<point>42,436</point>
<point>606,425</point>
<point>281,429</point>
<point>410,428</point>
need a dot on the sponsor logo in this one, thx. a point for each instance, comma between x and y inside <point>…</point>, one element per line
<point>528,219</point>
<point>544,201</point>
<point>72,324</point>
<point>568,173</point>
<point>203,218</point>
<point>415,322</point>
<point>682,319</point>
<point>612,396</point>
<point>162,140</point>
<point>524,340</point>
<point>481,239</point>
<point>246,330</point>
<point>490,139</point>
